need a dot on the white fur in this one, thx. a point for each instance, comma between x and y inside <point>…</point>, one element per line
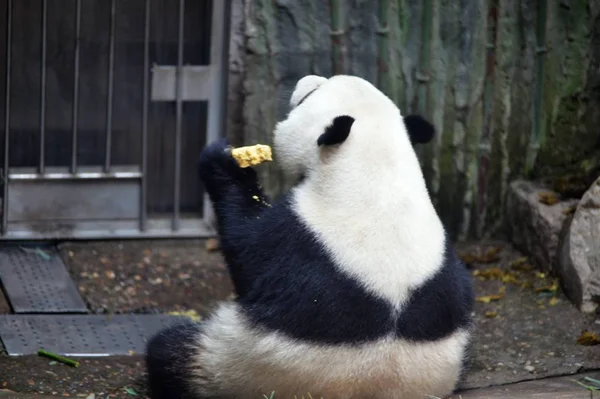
<point>243,362</point>
<point>377,219</point>
<point>304,87</point>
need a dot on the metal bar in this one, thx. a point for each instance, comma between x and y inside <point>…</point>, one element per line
<point>76,86</point>
<point>110,89</point>
<point>178,120</point>
<point>7,116</point>
<point>219,56</point>
<point>144,183</point>
<point>43,86</point>
<point>102,229</point>
<point>76,176</point>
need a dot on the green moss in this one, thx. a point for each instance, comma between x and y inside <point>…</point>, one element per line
<point>565,140</point>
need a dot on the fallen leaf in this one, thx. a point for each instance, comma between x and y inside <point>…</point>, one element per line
<point>548,288</point>
<point>490,314</point>
<point>521,264</point>
<point>131,391</point>
<point>588,338</point>
<point>553,301</point>
<point>593,381</point>
<point>192,314</point>
<point>489,298</point>
<point>491,273</point>
<point>509,278</point>
<point>489,256</point>
<point>496,273</point>
<point>586,386</point>
<point>548,198</point>
<point>212,244</point>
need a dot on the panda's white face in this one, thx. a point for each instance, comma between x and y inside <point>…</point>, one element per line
<point>317,101</point>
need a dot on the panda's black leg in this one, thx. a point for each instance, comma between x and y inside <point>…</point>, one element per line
<point>169,360</point>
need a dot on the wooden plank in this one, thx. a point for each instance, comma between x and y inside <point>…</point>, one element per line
<point>549,388</point>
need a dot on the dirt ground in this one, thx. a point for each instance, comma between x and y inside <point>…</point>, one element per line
<point>527,332</point>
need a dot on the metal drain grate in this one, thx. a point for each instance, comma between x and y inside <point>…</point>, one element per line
<point>80,335</point>
<point>37,282</point>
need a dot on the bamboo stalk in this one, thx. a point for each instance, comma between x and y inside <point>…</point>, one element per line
<point>337,37</point>
<point>383,75</point>
<point>538,133</point>
<point>474,124</point>
<point>58,358</point>
<point>424,63</point>
<point>437,106</point>
<point>485,144</point>
<point>424,57</point>
<point>400,26</point>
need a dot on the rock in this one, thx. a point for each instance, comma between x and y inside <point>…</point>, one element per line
<point>534,222</point>
<point>530,368</point>
<point>578,264</point>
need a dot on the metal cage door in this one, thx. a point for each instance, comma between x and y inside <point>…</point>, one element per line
<point>107,104</point>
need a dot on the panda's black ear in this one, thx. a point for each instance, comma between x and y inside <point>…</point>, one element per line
<point>419,129</point>
<point>337,132</point>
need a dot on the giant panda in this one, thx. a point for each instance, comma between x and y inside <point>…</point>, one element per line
<point>347,286</point>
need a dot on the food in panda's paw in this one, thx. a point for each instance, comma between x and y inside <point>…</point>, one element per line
<point>252,155</point>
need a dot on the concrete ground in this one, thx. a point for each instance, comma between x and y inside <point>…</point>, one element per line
<point>526,330</point>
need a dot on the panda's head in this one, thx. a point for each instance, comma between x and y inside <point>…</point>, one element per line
<point>347,121</point>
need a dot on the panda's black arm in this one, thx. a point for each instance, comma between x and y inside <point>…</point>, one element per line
<point>238,202</point>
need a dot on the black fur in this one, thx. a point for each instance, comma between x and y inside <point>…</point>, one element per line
<point>286,281</point>
<point>337,132</point>
<point>419,129</point>
<point>167,358</point>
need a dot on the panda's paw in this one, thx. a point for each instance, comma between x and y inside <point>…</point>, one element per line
<point>216,164</point>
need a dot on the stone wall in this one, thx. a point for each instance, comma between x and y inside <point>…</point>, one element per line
<point>512,85</point>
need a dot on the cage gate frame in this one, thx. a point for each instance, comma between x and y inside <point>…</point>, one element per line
<point>109,201</point>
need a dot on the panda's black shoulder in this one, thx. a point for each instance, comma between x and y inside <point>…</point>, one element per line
<point>299,291</point>
<point>442,305</point>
